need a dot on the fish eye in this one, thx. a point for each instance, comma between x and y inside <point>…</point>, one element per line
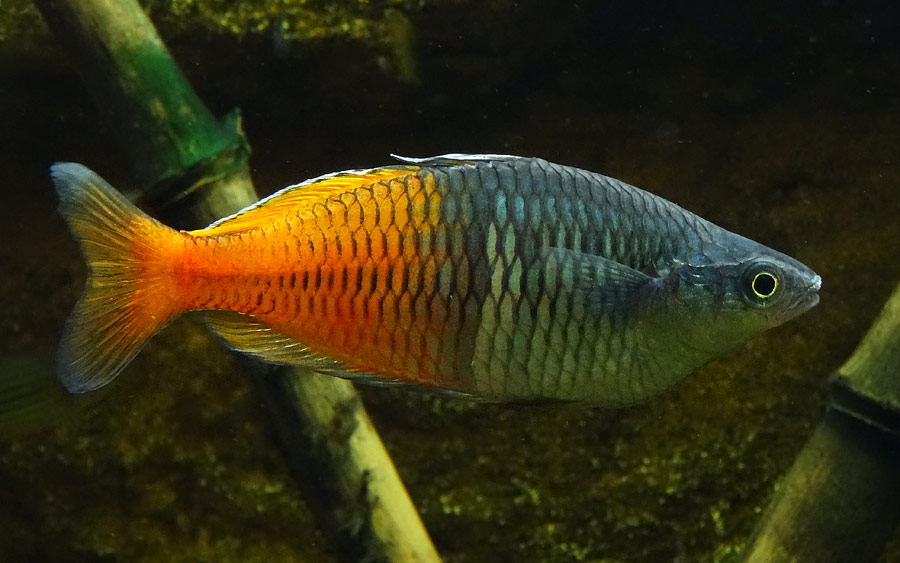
<point>764,284</point>
<point>761,284</point>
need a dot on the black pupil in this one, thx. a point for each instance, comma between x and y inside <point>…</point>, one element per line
<point>764,284</point>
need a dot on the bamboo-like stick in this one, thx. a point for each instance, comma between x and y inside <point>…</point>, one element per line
<point>374,508</point>
<point>840,501</point>
<point>873,371</point>
<point>188,157</point>
<point>166,129</point>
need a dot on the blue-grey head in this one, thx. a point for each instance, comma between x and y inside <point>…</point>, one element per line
<point>727,293</point>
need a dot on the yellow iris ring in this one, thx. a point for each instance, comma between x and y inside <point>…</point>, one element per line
<point>774,287</point>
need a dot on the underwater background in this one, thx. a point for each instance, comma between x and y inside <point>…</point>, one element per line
<point>778,121</point>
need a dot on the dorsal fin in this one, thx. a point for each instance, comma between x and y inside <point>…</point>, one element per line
<point>297,195</point>
<point>453,159</point>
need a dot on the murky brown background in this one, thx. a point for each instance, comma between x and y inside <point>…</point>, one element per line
<point>777,121</point>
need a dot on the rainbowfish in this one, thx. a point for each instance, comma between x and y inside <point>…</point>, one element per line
<point>499,277</point>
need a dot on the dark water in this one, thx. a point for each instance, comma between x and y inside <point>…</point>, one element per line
<point>777,122</point>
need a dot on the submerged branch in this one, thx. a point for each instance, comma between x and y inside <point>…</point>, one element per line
<point>174,141</point>
<point>839,500</point>
<point>363,496</point>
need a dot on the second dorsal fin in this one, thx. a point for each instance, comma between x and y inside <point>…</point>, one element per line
<point>297,195</point>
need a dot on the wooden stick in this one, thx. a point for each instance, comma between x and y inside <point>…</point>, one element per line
<point>381,517</point>
<point>190,158</point>
<point>871,373</point>
<point>129,72</point>
<point>839,501</point>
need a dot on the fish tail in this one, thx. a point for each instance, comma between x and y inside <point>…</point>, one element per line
<point>127,297</point>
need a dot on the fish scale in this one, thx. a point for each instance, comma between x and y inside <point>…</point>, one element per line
<point>504,278</point>
<point>496,331</point>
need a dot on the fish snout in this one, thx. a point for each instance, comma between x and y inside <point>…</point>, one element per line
<point>808,297</point>
<point>816,284</point>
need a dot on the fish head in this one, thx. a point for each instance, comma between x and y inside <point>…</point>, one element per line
<point>728,302</point>
<point>776,288</point>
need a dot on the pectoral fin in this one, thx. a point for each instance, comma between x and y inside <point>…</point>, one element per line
<point>607,285</point>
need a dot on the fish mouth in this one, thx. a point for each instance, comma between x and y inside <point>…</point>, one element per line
<point>812,300</point>
<point>816,284</point>
<point>809,298</point>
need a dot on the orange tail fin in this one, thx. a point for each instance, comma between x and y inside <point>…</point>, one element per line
<point>125,299</point>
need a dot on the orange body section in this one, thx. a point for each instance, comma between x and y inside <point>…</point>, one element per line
<point>350,274</point>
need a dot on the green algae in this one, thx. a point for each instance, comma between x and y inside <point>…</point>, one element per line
<point>291,20</point>
<point>21,24</point>
<point>381,25</point>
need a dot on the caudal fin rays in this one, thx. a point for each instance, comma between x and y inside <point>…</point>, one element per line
<point>125,300</point>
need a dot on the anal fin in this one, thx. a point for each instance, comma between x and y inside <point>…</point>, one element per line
<point>246,334</point>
